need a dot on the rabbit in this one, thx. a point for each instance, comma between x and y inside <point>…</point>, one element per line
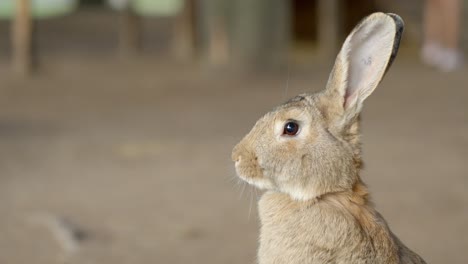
<point>306,155</point>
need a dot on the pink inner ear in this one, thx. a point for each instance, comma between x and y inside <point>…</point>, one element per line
<point>348,98</point>
<point>347,95</point>
<point>367,52</point>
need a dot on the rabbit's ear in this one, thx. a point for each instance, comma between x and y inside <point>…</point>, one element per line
<point>362,62</point>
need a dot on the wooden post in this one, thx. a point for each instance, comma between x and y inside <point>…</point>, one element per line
<point>213,31</point>
<point>183,34</point>
<point>280,15</point>
<point>262,32</point>
<point>130,33</point>
<point>329,27</point>
<point>22,38</point>
<point>218,42</point>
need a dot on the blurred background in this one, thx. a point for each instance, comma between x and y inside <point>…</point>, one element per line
<point>117,121</point>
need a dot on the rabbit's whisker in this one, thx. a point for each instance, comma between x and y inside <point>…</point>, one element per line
<point>251,201</point>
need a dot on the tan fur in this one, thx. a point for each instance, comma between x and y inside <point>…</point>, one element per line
<point>316,208</point>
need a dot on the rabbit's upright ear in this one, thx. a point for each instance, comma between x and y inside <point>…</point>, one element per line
<point>362,62</point>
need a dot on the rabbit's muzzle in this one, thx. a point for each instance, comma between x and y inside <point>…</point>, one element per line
<point>246,163</point>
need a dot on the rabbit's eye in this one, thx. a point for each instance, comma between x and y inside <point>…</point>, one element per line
<point>291,128</point>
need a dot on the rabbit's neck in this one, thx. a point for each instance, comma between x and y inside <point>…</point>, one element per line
<point>309,231</point>
<point>355,203</point>
<point>358,195</point>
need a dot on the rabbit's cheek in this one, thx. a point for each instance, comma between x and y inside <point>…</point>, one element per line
<point>289,146</point>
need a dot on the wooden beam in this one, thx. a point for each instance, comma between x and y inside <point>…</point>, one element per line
<point>22,28</point>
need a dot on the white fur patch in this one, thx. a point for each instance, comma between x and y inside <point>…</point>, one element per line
<point>298,194</point>
<point>260,183</point>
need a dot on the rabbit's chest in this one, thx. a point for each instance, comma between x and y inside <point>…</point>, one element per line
<point>300,233</point>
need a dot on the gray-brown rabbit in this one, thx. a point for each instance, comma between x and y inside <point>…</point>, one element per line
<point>306,155</point>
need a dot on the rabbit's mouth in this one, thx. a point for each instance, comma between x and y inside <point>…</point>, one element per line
<point>252,173</point>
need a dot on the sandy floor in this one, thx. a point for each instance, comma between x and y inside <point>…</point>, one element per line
<point>109,162</point>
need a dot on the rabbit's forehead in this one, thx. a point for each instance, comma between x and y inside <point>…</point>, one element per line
<point>290,107</point>
<point>292,113</point>
<point>299,107</point>
<point>296,99</point>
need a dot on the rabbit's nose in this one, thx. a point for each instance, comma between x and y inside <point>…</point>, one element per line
<point>237,161</point>
<point>236,157</point>
<point>235,154</point>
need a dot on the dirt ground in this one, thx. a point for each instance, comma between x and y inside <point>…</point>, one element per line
<point>128,161</point>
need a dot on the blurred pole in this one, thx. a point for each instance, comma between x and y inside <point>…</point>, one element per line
<point>130,32</point>
<point>218,43</point>
<point>22,28</point>
<point>330,22</point>
<point>262,32</point>
<point>183,41</point>
<point>281,15</point>
<point>213,31</point>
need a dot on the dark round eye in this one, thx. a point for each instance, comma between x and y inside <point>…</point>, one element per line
<point>291,128</point>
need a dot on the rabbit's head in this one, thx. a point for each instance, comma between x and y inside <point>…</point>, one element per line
<point>310,146</point>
